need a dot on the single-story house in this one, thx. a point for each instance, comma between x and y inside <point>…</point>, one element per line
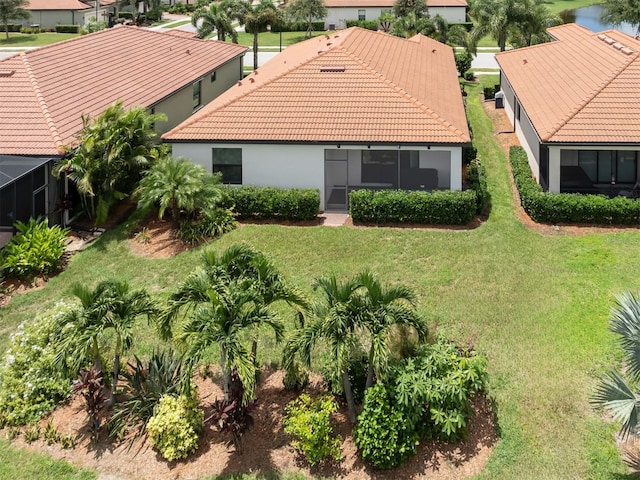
<point>44,93</point>
<point>49,13</point>
<point>575,106</point>
<point>354,109</point>
<point>340,11</point>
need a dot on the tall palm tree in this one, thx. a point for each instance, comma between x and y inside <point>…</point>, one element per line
<point>453,35</point>
<point>218,17</point>
<point>381,309</point>
<point>532,27</point>
<point>615,393</point>
<point>335,322</point>
<point>111,305</point>
<point>411,24</point>
<point>178,184</point>
<point>256,20</point>
<point>495,18</point>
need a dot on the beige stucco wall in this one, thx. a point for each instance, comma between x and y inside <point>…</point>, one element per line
<point>179,106</point>
<point>338,16</point>
<point>51,18</point>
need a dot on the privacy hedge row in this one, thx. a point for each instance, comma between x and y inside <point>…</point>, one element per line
<point>568,207</point>
<point>13,28</point>
<point>401,206</point>
<point>67,28</point>
<point>296,27</point>
<point>477,178</point>
<point>366,24</point>
<point>274,203</point>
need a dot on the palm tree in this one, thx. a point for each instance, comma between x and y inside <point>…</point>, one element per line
<point>615,393</point>
<point>532,28</point>
<point>335,320</point>
<point>453,35</point>
<point>256,20</point>
<point>381,308</point>
<point>617,12</point>
<point>178,184</point>
<point>411,24</point>
<point>495,18</point>
<point>218,17</point>
<point>112,305</point>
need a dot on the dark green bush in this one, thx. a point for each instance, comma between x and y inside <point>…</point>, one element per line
<point>126,15</point>
<point>568,207</point>
<point>14,28</point>
<point>477,177</point>
<point>399,206</point>
<point>382,435</point>
<point>368,24</point>
<point>296,26</point>
<point>468,154</point>
<point>274,203</point>
<point>207,225</point>
<point>468,76</point>
<point>463,62</point>
<point>489,92</point>
<point>35,250</point>
<point>67,28</point>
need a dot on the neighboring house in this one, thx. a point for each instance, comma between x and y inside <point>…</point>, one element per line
<point>49,13</point>
<point>340,11</point>
<point>44,93</point>
<point>355,109</point>
<point>575,106</point>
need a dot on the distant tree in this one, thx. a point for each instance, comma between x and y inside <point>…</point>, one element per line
<point>408,25</point>
<point>256,20</point>
<point>496,18</point>
<point>12,10</point>
<point>307,11</point>
<point>621,11</point>
<point>402,8</point>
<point>454,35</point>
<point>218,17</point>
<point>532,27</point>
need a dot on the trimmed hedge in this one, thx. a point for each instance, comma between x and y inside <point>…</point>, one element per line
<point>13,28</point>
<point>367,24</point>
<point>296,27</point>
<point>401,206</point>
<point>477,177</point>
<point>549,207</point>
<point>273,203</point>
<point>67,28</point>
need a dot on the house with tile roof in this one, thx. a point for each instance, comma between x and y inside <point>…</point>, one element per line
<point>575,106</point>
<point>49,13</point>
<point>355,109</point>
<point>341,11</point>
<point>44,93</point>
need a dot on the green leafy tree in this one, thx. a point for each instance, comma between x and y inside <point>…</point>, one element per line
<point>307,11</point>
<point>256,20</point>
<point>402,8</point>
<point>112,152</point>
<point>12,10</point>
<point>178,184</point>
<point>381,309</point>
<point>218,17</point>
<point>532,28</point>
<point>496,18</point>
<point>408,25</point>
<point>111,306</point>
<point>617,12</point>
<point>618,393</point>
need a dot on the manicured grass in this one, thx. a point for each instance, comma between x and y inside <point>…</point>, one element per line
<point>268,39</point>
<point>34,40</point>
<point>178,24</point>
<point>537,305</point>
<point>557,6</point>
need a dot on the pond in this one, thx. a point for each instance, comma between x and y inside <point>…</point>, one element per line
<point>589,17</point>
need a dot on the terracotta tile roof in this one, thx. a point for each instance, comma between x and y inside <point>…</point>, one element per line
<point>44,92</point>
<point>390,3</point>
<point>56,5</point>
<point>353,86</point>
<point>584,87</point>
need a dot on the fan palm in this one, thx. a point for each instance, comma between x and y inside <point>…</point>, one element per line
<point>381,309</point>
<point>615,393</point>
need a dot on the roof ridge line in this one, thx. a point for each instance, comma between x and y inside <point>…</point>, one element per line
<point>55,135</point>
<point>411,99</point>
<point>572,114</point>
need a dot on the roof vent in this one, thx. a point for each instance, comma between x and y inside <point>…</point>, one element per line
<point>618,46</point>
<point>7,73</point>
<point>608,40</point>
<point>626,50</point>
<point>333,69</point>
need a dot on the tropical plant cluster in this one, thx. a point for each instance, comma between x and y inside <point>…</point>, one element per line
<point>36,249</point>
<point>548,207</point>
<point>250,202</point>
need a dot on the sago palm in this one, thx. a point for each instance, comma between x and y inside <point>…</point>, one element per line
<point>617,393</point>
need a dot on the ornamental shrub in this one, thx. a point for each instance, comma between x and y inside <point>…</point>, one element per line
<point>568,207</point>
<point>174,428</point>
<point>463,62</point>
<point>441,207</point>
<point>35,250</point>
<point>208,224</point>
<point>366,24</point>
<point>273,203</point>
<point>382,435</point>
<point>308,421</point>
<point>31,384</point>
<point>477,177</point>
<point>67,28</point>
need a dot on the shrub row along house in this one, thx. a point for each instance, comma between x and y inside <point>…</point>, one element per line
<point>575,106</point>
<point>45,92</point>
<point>355,109</point>
<point>339,12</point>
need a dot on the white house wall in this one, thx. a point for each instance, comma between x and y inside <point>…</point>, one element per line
<point>338,16</point>
<point>450,14</point>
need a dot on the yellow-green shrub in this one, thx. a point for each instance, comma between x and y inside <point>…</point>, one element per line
<point>174,428</point>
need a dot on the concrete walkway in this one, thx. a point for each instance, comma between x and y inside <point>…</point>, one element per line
<point>334,219</point>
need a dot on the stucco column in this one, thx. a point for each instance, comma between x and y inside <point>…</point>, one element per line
<point>456,168</point>
<point>554,169</point>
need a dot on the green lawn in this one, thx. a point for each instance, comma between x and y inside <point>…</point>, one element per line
<point>177,24</point>
<point>19,464</point>
<point>536,305</point>
<point>268,39</point>
<point>557,6</point>
<point>34,40</point>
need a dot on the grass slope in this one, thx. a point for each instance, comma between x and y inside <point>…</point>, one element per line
<point>536,305</point>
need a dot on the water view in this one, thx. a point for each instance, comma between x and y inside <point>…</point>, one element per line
<point>589,17</point>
